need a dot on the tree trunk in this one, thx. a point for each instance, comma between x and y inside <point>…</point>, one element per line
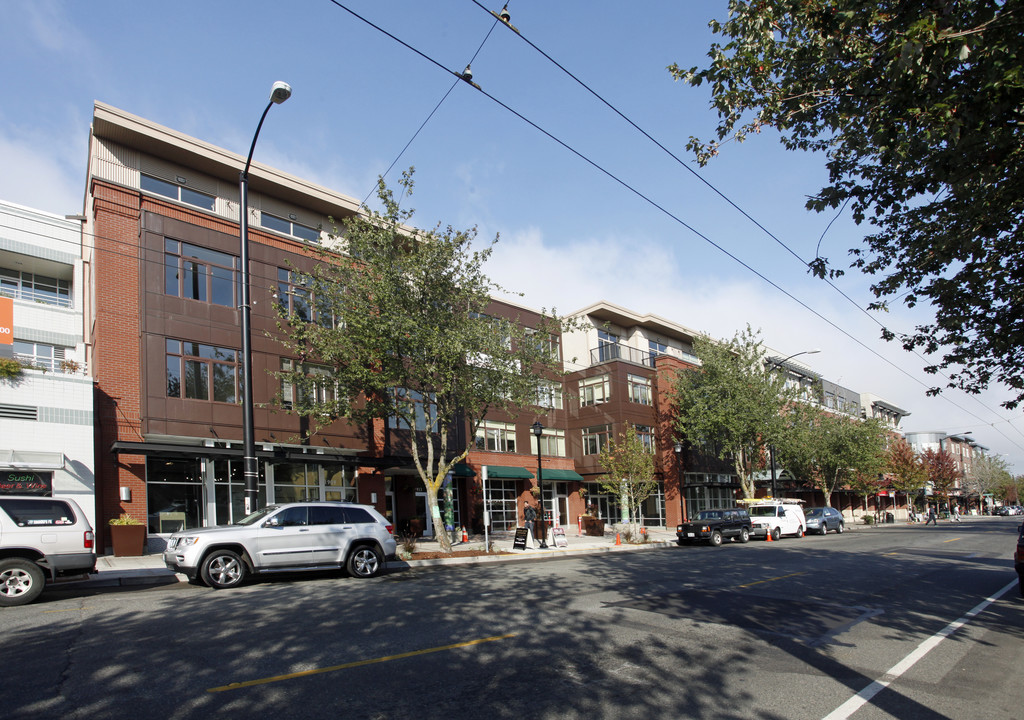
<point>440,534</point>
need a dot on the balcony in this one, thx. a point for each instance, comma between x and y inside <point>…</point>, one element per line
<point>609,352</point>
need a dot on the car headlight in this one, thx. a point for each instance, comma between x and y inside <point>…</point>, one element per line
<point>184,542</point>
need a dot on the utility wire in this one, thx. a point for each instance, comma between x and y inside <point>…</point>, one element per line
<point>664,210</point>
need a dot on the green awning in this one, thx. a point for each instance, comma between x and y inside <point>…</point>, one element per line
<point>553,474</point>
<point>462,470</point>
<point>503,471</point>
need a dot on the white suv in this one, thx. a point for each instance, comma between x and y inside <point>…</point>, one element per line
<point>41,539</point>
<point>777,518</point>
<point>296,536</point>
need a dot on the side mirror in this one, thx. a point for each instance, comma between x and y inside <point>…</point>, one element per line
<point>273,522</point>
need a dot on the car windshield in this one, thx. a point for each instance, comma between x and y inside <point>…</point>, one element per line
<point>257,516</point>
<point>815,512</point>
<point>709,515</point>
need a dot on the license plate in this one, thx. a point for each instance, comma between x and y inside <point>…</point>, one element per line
<point>689,534</point>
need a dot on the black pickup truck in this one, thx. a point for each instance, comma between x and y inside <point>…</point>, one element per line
<point>713,526</point>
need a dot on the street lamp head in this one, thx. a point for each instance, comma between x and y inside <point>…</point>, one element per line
<point>678,447</point>
<point>280,92</point>
<point>538,429</point>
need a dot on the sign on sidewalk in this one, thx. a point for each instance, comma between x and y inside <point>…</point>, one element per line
<point>519,543</point>
<point>559,534</point>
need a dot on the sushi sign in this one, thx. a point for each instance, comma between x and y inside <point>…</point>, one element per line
<point>6,327</point>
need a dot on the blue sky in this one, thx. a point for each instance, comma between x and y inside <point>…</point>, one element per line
<point>570,234</point>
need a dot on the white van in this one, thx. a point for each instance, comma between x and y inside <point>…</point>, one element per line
<point>777,518</point>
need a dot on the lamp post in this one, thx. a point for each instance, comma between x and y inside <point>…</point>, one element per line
<point>678,447</point>
<point>771,446</point>
<point>542,529</point>
<point>280,92</point>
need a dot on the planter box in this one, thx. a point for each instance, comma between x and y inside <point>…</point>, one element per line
<point>128,540</point>
<point>593,526</point>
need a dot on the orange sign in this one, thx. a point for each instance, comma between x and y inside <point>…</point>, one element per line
<point>6,321</point>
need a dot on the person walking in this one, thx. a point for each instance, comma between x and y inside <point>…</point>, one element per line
<point>956,513</point>
<point>933,517</point>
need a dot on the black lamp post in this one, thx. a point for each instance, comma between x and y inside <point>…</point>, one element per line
<point>542,529</point>
<point>280,92</point>
<point>678,447</point>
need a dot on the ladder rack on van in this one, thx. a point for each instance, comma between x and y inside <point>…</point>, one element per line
<point>770,501</point>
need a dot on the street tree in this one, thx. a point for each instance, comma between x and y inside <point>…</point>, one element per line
<point>827,450</point>
<point>394,330</point>
<point>866,485</point>
<point>918,109</point>
<point>943,473</point>
<point>986,473</point>
<point>904,470</point>
<point>1011,490</point>
<point>629,464</point>
<point>731,406</point>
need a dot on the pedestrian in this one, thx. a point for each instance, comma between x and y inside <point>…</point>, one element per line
<point>933,517</point>
<point>529,515</point>
<point>956,513</point>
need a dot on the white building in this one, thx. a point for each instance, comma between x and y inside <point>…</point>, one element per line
<point>46,410</point>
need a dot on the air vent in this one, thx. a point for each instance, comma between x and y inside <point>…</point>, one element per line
<point>19,412</point>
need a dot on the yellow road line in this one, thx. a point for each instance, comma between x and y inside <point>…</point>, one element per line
<point>358,663</point>
<point>780,577</point>
<point>952,540</point>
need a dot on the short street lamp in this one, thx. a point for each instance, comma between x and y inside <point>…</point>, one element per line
<point>280,92</point>
<point>542,529</point>
<point>678,447</point>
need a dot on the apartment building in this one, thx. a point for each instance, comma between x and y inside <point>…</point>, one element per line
<point>46,398</point>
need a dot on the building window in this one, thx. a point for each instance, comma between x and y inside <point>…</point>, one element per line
<point>596,438</point>
<point>35,288</point>
<point>595,390</point>
<point>425,413</point>
<point>547,344</point>
<point>607,346</point>
<point>496,436</point>
<point>202,372</point>
<point>552,443</point>
<point>180,193</point>
<point>646,435</point>
<point>324,388</point>
<point>549,395</point>
<point>656,348</point>
<point>640,389</point>
<point>39,355</point>
<point>296,299</point>
<point>289,227</point>
<point>201,274</point>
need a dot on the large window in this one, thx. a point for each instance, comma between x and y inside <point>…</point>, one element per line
<point>178,192</point>
<point>496,436</point>
<point>289,227</point>
<point>425,412</point>
<point>607,346</point>
<point>324,387</point>
<point>39,355</point>
<point>174,494</point>
<point>295,298</point>
<point>202,372</point>
<point>595,390</point>
<point>35,288</point>
<point>640,389</point>
<point>596,439</point>
<point>549,394</point>
<point>547,343</point>
<point>646,435</point>
<point>201,274</point>
<point>501,501</point>
<point>657,348</point>
<point>552,443</point>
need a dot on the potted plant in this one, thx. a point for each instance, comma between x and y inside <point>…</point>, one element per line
<point>127,535</point>
<point>9,368</point>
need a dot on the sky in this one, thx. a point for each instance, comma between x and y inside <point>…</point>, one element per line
<point>584,206</point>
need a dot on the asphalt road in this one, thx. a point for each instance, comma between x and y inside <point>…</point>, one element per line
<point>862,625</point>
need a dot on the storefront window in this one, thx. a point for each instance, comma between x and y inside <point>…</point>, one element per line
<point>229,490</point>
<point>174,494</point>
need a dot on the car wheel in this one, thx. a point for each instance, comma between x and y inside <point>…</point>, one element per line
<point>842,526</point>
<point>716,539</point>
<point>365,562</point>
<point>823,530</point>
<point>21,581</point>
<point>744,535</point>
<point>776,534</point>
<point>223,569</point>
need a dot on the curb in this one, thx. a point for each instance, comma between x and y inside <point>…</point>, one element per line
<point>520,555</point>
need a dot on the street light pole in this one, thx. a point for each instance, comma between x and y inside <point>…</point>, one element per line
<point>538,430</point>
<point>280,92</point>
<point>678,447</point>
<point>771,446</point>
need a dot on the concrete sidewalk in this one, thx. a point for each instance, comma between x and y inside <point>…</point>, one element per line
<point>149,569</point>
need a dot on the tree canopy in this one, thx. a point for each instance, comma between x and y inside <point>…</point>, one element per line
<point>905,471</point>
<point>919,110</point>
<point>629,464</point>
<point>731,406</point>
<point>394,329</point>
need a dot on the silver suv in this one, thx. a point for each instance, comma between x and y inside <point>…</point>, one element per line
<point>295,536</point>
<point>41,539</point>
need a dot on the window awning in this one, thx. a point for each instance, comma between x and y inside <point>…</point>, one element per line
<point>553,474</point>
<point>462,470</point>
<point>504,471</point>
<point>30,460</point>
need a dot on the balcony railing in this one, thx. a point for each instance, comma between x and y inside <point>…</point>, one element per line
<point>51,365</point>
<point>610,352</point>
<point>43,297</point>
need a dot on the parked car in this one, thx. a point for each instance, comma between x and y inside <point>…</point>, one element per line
<point>41,539</point>
<point>294,536</point>
<point>777,518</point>
<point>822,519</point>
<point>714,526</point>
<point>1018,559</point>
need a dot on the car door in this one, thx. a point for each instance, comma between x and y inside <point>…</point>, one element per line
<point>284,539</point>
<point>332,531</point>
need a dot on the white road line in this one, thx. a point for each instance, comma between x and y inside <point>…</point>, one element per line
<point>851,706</point>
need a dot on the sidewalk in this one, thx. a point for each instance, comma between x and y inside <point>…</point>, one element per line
<point>150,569</point>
